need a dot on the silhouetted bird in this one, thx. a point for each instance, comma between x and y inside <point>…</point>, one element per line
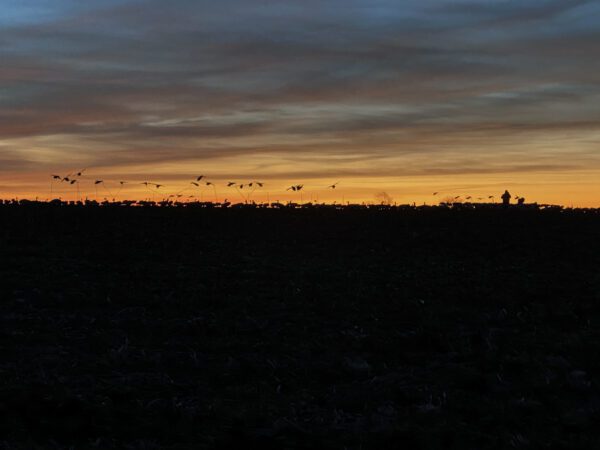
<point>435,193</point>
<point>158,186</point>
<point>194,183</point>
<point>66,179</point>
<point>199,177</point>
<point>56,177</point>
<point>333,185</point>
<point>73,181</point>
<point>231,183</point>
<point>98,182</point>
<point>208,183</point>
<point>122,182</point>
<point>145,183</point>
<point>259,184</point>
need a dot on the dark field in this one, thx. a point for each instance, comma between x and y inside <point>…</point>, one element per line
<point>179,328</point>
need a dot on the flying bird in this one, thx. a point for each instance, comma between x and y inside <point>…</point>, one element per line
<point>65,179</point>
<point>145,183</point>
<point>122,182</point>
<point>435,193</point>
<point>208,183</point>
<point>73,181</point>
<point>158,186</point>
<point>259,184</point>
<point>231,183</point>
<point>333,185</point>
<point>198,178</point>
<point>56,177</point>
<point>98,181</point>
<point>195,184</point>
<point>241,186</point>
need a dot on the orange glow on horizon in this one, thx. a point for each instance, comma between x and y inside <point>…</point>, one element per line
<point>580,189</point>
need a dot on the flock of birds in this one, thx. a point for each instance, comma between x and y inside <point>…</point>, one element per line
<point>245,190</point>
<point>74,178</point>
<point>469,197</point>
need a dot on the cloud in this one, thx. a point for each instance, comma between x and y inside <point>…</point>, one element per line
<point>509,11</point>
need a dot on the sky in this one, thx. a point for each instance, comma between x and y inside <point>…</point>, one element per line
<point>404,98</point>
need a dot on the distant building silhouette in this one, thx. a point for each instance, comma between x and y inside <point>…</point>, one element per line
<point>506,198</point>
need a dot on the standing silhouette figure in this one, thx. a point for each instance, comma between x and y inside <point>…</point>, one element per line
<point>506,198</point>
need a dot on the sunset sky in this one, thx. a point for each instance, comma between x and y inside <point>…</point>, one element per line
<point>404,97</point>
